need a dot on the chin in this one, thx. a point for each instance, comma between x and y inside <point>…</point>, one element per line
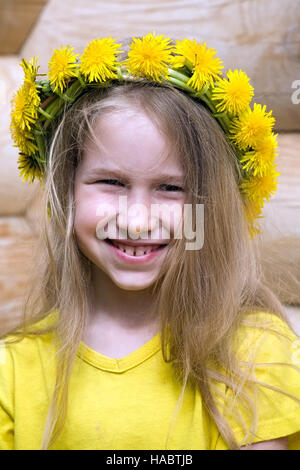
<point>133,285</point>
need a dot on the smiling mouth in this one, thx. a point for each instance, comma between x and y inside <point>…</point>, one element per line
<point>137,250</point>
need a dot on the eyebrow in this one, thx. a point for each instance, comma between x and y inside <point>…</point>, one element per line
<point>105,172</point>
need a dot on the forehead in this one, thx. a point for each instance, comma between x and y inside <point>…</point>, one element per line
<point>128,140</point>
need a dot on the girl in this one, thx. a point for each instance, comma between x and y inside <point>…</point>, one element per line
<point>130,340</point>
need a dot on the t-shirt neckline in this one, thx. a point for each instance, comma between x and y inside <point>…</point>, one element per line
<point>109,364</point>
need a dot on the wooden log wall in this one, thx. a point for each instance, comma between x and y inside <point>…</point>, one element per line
<point>259,36</point>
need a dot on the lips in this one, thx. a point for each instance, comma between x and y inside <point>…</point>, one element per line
<point>134,249</point>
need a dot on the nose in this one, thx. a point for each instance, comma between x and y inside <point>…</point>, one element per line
<point>138,221</point>
<point>135,219</point>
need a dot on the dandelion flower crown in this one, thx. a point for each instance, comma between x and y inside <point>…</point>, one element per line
<point>188,65</point>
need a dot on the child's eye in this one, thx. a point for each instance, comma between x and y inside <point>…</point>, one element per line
<point>170,187</point>
<point>164,187</point>
<point>113,182</point>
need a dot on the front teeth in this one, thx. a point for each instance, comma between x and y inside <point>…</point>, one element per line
<point>137,251</point>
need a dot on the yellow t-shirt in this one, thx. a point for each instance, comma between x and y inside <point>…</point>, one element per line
<point>128,403</point>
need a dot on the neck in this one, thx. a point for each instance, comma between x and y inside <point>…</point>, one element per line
<point>128,309</point>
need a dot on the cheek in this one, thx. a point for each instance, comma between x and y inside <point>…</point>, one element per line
<point>173,217</point>
<point>84,219</point>
<point>89,211</point>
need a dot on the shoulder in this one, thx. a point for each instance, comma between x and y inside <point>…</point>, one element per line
<point>267,337</point>
<point>16,349</point>
<point>25,362</point>
<point>268,351</point>
<point>263,321</point>
<point>27,369</point>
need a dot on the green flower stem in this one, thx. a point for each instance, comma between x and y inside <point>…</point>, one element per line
<point>180,80</point>
<point>189,64</point>
<point>208,102</point>
<point>55,106</point>
<point>51,111</point>
<point>71,93</point>
<point>65,97</point>
<point>180,84</point>
<point>223,120</point>
<point>227,120</point>
<point>178,76</point>
<point>39,130</point>
<point>74,90</point>
<point>119,73</point>
<point>221,117</point>
<point>45,114</point>
<point>81,80</point>
<point>41,145</point>
<point>40,160</point>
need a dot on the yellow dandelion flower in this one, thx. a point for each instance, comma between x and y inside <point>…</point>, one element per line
<point>254,209</point>
<point>259,160</point>
<point>98,61</point>
<point>61,67</point>
<point>254,229</point>
<point>258,188</point>
<point>23,139</point>
<point>205,66</point>
<point>30,72</point>
<point>252,126</point>
<point>253,212</point>
<point>149,57</point>
<point>33,99</point>
<point>29,168</point>
<point>24,111</point>
<point>234,94</point>
<point>25,102</point>
<point>30,69</point>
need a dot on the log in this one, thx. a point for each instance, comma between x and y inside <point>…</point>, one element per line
<point>262,37</point>
<point>17,241</point>
<point>282,213</point>
<point>17,18</point>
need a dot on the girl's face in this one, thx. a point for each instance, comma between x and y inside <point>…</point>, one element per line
<point>133,161</point>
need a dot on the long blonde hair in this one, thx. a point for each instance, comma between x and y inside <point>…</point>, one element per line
<point>212,288</point>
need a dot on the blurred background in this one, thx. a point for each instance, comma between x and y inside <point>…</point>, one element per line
<point>262,37</point>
